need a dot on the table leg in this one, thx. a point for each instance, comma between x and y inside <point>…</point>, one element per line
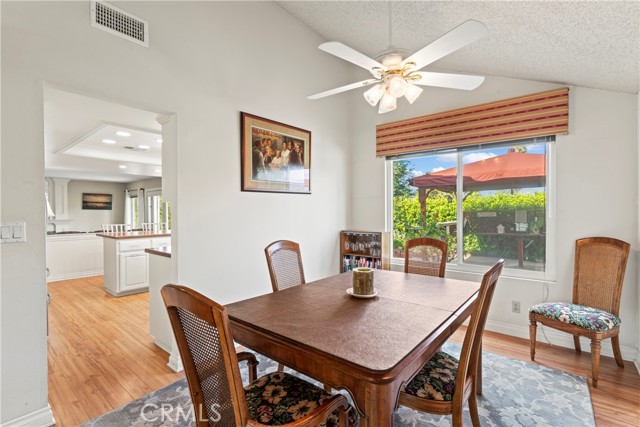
<point>378,405</point>
<point>520,251</point>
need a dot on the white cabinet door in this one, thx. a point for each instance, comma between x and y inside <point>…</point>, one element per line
<point>134,272</point>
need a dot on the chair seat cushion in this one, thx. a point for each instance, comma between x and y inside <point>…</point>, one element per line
<point>279,398</point>
<point>436,380</point>
<point>585,317</point>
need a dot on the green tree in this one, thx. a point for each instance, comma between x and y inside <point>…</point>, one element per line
<point>402,173</point>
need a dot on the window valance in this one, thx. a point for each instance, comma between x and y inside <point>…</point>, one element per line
<point>538,114</point>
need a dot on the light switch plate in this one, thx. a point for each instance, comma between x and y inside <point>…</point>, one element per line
<point>13,232</point>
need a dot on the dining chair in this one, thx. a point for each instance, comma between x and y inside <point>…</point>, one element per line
<point>425,255</point>
<point>202,331</point>
<point>285,264</point>
<point>598,274</point>
<point>285,267</point>
<point>444,383</point>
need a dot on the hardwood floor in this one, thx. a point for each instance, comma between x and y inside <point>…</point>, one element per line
<point>101,357</point>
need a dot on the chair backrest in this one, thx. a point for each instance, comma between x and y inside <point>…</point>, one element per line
<point>599,272</point>
<point>285,264</point>
<point>471,346</point>
<point>202,331</point>
<point>118,228</point>
<point>425,256</point>
<point>155,226</point>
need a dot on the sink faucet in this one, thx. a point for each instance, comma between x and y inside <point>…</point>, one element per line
<point>55,229</point>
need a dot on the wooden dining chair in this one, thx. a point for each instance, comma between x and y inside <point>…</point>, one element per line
<point>598,274</point>
<point>202,331</point>
<point>444,383</point>
<point>425,255</point>
<point>285,264</point>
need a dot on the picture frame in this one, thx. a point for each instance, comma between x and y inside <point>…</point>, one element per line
<point>97,201</point>
<point>275,157</point>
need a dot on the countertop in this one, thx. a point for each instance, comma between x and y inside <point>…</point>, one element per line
<point>164,251</point>
<point>133,234</point>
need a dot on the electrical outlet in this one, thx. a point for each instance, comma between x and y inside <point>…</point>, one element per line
<point>515,306</point>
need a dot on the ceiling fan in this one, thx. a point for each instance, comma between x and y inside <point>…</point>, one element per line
<point>397,76</point>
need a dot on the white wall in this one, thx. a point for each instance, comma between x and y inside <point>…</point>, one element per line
<point>145,183</point>
<point>638,213</point>
<point>207,61</point>
<point>597,187</point>
<point>91,220</point>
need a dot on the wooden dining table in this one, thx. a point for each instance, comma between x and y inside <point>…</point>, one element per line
<point>369,347</point>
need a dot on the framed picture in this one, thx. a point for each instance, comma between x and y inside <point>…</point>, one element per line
<point>275,157</point>
<point>95,201</point>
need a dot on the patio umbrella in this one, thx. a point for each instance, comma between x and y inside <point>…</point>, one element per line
<point>510,170</point>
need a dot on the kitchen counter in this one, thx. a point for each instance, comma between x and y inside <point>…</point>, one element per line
<point>164,251</point>
<point>133,234</point>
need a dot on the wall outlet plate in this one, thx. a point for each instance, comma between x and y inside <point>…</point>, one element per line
<point>515,306</point>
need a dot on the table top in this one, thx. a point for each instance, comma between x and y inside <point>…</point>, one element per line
<point>164,251</point>
<point>374,334</point>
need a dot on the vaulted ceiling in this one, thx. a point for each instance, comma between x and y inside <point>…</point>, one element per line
<point>585,43</point>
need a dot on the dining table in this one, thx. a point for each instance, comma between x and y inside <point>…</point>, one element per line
<point>370,347</point>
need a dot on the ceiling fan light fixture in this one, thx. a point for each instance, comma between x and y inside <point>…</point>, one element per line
<point>373,95</point>
<point>388,103</point>
<point>397,85</point>
<point>412,93</point>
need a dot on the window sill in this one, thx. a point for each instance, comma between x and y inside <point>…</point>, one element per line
<point>476,272</point>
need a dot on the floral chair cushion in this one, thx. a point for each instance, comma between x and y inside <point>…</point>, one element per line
<point>436,380</point>
<point>279,398</point>
<point>589,318</point>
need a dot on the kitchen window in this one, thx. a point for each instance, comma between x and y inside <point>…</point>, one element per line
<point>487,202</point>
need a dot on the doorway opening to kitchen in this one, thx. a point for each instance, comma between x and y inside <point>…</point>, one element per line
<point>104,167</point>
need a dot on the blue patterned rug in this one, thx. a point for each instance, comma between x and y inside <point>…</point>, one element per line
<point>515,393</point>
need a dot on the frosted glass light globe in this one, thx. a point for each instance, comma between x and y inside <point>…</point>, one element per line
<point>397,86</point>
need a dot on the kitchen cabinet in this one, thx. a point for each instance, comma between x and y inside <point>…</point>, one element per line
<point>126,264</point>
<point>74,255</point>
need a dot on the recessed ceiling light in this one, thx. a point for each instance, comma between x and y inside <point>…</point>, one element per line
<point>159,140</point>
<point>143,147</point>
<point>123,133</point>
<point>109,141</point>
<point>122,166</point>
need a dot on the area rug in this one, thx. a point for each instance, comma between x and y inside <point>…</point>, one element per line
<point>515,393</point>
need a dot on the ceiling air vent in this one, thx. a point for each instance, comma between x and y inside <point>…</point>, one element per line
<point>120,23</point>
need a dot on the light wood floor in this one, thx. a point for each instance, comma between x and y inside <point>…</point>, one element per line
<point>101,357</point>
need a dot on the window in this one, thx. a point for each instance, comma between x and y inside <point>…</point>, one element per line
<point>486,203</point>
<point>157,210</point>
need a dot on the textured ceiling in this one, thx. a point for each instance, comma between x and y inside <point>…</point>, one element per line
<point>585,43</point>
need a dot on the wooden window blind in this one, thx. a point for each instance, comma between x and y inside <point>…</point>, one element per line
<point>539,114</point>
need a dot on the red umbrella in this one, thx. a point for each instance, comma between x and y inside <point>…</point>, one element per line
<point>510,170</point>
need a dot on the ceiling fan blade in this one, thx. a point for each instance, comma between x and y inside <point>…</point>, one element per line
<point>363,83</point>
<point>348,54</point>
<point>465,33</point>
<point>453,81</point>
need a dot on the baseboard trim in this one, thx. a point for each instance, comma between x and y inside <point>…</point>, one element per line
<point>175,363</point>
<point>40,418</point>
<point>560,339</point>
<point>77,275</point>
<point>637,361</point>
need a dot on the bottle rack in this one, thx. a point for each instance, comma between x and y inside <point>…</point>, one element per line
<point>364,249</point>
